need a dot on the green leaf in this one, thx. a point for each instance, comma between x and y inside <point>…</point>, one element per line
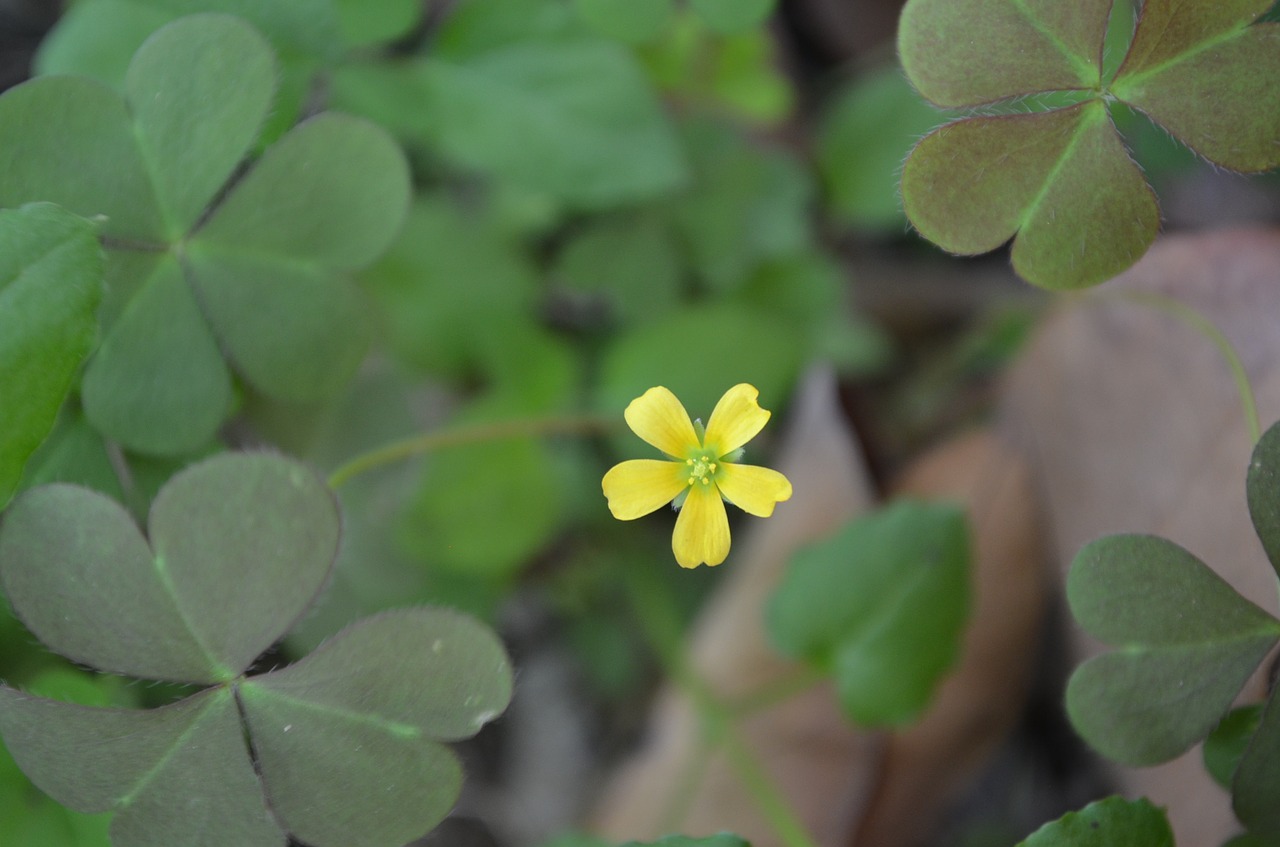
<point>1060,181</point>
<point>632,264</point>
<point>1113,822</point>
<point>179,774</point>
<point>187,393</point>
<point>364,23</point>
<point>1187,644</point>
<point>450,271</point>
<point>356,183</point>
<point>346,738</point>
<point>264,263</point>
<point>50,288</point>
<point>239,546</point>
<point>1200,72</point>
<point>686,352</point>
<point>731,16</point>
<point>575,119</point>
<point>882,604</point>
<point>746,205</point>
<point>1257,778</point>
<point>970,52</point>
<point>518,484</point>
<point>97,39</point>
<point>230,77</point>
<point>865,135</point>
<point>295,332</point>
<point>1225,745</point>
<point>632,21</point>
<point>1263,488</point>
<point>71,141</point>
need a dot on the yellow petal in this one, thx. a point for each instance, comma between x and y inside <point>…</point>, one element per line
<point>637,487</point>
<point>658,418</point>
<point>753,489</point>
<point>736,419</point>
<point>702,530</point>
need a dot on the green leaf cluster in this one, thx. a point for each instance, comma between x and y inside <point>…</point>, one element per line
<point>1186,644</point>
<point>212,275</point>
<point>881,605</point>
<point>1060,182</point>
<point>340,748</point>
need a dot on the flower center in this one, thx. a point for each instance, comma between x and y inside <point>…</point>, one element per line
<point>701,469</point>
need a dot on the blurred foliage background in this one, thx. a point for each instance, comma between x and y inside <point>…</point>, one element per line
<point>607,195</point>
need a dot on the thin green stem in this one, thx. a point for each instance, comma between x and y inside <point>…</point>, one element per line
<point>427,442</point>
<point>779,691</point>
<point>661,628</point>
<point>1198,322</point>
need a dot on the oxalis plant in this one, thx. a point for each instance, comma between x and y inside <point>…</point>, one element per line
<point>192,248</point>
<point>1042,162</point>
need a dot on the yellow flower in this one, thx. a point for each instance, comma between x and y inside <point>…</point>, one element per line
<point>700,469</point>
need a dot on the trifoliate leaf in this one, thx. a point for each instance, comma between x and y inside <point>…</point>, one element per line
<point>237,547</point>
<point>1106,823</point>
<point>882,604</point>
<point>325,200</point>
<point>1202,71</point>
<point>50,288</point>
<point>1186,643</point>
<point>1263,487</point>
<point>346,743</point>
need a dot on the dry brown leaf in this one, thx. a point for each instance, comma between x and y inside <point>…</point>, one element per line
<point>1133,424</point>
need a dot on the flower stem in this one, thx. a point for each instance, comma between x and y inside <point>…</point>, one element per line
<point>1197,321</point>
<point>662,630</point>
<point>468,434</point>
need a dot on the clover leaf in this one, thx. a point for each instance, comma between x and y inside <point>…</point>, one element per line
<point>1104,823</point>
<point>1187,642</point>
<point>882,603</point>
<point>1060,183</point>
<point>340,748</point>
<point>50,287</point>
<point>256,278</point>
